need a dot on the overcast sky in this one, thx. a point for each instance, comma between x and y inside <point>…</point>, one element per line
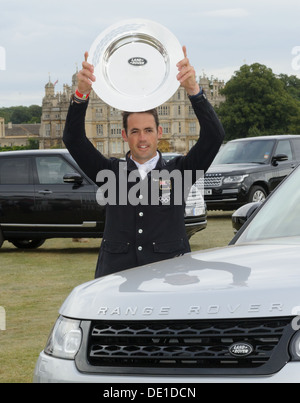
<point>42,36</point>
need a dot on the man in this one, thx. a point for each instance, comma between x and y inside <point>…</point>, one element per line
<point>140,233</point>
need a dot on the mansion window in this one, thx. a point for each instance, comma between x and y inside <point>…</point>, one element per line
<point>116,147</point>
<point>100,147</point>
<point>179,128</point>
<point>164,110</point>
<point>47,130</point>
<point>114,112</point>
<point>191,111</point>
<point>100,130</point>
<point>192,128</point>
<point>115,129</point>
<point>99,113</point>
<point>166,128</point>
<point>58,129</point>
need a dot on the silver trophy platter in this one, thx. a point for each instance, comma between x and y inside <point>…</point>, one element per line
<point>135,65</point>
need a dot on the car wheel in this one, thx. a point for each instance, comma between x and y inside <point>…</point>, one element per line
<point>257,194</point>
<point>1,238</point>
<point>28,244</point>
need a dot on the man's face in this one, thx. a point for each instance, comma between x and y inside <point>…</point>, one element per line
<point>142,136</point>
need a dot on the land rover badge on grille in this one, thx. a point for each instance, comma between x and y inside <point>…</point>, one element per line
<point>241,349</point>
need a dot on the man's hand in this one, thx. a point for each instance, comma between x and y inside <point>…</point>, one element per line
<point>187,75</point>
<point>86,76</point>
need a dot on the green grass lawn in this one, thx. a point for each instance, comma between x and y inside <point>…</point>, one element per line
<point>34,284</point>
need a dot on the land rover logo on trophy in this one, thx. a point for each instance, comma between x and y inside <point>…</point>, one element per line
<point>241,349</point>
<point>137,61</point>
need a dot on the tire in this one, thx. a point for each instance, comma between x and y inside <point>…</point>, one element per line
<point>1,238</point>
<point>28,244</point>
<point>257,194</point>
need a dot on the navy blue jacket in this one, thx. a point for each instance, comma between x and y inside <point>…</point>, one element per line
<point>137,235</point>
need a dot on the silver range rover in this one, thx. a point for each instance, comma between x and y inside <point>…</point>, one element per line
<point>223,315</point>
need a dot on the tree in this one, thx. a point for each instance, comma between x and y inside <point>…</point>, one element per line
<point>258,103</point>
<point>22,114</point>
<point>32,144</point>
<point>292,85</point>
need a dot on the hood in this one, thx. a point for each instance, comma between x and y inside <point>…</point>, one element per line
<point>236,169</point>
<point>234,282</point>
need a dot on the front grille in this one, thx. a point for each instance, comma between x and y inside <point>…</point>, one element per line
<point>185,345</point>
<point>211,181</point>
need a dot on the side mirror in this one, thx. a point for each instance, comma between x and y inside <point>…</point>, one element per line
<point>74,178</point>
<point>279,158</point>
<point>242,215</point>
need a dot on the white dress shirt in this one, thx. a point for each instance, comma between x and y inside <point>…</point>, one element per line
<point>147,167</point>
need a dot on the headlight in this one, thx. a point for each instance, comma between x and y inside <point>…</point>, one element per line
<point>234,179</point>
<point>65,339</point>
<point>295,347</point>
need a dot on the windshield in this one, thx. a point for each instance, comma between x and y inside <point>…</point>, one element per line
<point>245,152</point>
<point>279,220</point>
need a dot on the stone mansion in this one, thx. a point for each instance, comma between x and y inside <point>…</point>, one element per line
<point>104,123</point>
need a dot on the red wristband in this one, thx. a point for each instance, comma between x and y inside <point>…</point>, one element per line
<point>83,97</point>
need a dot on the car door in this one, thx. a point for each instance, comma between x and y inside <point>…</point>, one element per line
<point>284,168</point>
<point>58,205</point>
<point>92,212</point>
<point>16,193</point>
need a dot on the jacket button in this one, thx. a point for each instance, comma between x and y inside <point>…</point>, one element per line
<point>140,231</point>
<point>140,248</point>
<point>141,214</point>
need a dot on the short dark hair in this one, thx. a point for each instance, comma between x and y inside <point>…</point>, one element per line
<point>126,115</point>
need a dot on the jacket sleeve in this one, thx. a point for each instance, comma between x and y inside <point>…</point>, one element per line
<point>211,137</point>
<point>90,160</point>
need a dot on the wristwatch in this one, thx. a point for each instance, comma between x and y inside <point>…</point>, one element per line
<point>75,100</point>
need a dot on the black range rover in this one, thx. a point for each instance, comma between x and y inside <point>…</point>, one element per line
<point>44,194</point>
<point>247,170</point>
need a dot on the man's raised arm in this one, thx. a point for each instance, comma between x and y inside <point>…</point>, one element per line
<point>212,133</point>
<point>90,160</point>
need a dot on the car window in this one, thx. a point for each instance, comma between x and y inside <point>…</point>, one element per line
<point>15,171</point>
<point>51,170</point>
<point>284,147</point>
<point>296,144</point>
<point>244,152</point>
<point>279,219</point>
